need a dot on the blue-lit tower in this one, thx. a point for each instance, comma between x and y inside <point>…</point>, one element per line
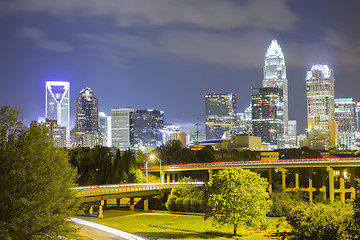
<point>57,105</point>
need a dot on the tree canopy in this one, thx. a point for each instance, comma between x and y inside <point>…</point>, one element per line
<point>35,182</point>
<point>236,197</point>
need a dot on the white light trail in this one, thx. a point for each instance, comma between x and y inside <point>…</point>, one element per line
<point>111,230</point>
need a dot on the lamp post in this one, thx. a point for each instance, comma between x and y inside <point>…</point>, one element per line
<point>152,157</point>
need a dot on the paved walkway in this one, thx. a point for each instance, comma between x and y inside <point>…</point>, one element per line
<point>97,231</point>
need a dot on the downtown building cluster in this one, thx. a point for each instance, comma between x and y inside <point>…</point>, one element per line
<point>124,128</point>
<point>332,123</point>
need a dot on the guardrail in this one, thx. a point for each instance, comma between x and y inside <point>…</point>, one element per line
<point>124,188</point>
<point>261,162</point>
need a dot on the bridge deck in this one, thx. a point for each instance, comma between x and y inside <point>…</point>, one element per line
<point>265,164</point>
<point>104,192</point>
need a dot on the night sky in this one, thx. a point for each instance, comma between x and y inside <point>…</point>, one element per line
<point>166,54</point>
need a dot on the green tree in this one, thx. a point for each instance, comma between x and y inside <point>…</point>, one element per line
<point>236,197</point>
<point>185,197</point>
<point>300,153</point>
<point>206,154</point>
<point>321,221</point>
<point>35,184</point>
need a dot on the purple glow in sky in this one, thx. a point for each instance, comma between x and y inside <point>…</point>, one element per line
<point>165,54</point>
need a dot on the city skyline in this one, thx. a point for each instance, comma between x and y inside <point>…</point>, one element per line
<point>132,54</point>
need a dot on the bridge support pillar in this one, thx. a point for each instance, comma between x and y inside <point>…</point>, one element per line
<point>270,181</point>
<point>311,189</point>
<point>91,209</point>
<point>100,213</point>
<point>132,205</point>
<point>168,177</point>
<point>323,185</point>
<point>146,204</point>
<point>118,203</point>
<point>331,183</point>
<point>342,186</point>
<point>352,182</point>
<point>210,171</point>
<point>283,177</point>
<point>162,177</point>
<point>296,180</point>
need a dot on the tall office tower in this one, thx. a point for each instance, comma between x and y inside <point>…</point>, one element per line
<point>146,128</point>
<point>244,121</point>
<point>275,76</point>
<point>322,132</point>
<point>292,134</point>
<point>345,115</point>
<point>268,115</point>
<point>103,127</point>
<point>220,114</point>
<point>120,127</point>
<point>109,144</point>
<point>57,105</point>
<point>86,131</point>
<point>320,93</point>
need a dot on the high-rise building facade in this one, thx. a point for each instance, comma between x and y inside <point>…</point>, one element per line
<point>86,111</point>
<point>86,120</point>
<point>292,134</point>
<point>345,115</point>
<point>103,128</point>
<point>322,132</point>
<point>244,121</point>
<point>220,114</point>
<point>146,126</point>
<point>320,92</point>
<point>275,76</point>
<point>57,105</point>
<point>268,115</point>
<point>120,127</point>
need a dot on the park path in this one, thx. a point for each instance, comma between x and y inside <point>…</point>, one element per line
<point>97,231</point>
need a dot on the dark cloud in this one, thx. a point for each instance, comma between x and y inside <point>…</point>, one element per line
<point>42,41</point>
<point>210,14</point>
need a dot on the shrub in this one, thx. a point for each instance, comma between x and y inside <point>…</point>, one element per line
<point>283,202</point>
<point>321,221</point>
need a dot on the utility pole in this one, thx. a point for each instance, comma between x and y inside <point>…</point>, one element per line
<point>197,134</point>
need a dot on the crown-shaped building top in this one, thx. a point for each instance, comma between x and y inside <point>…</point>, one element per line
<point>274,50</point>
<point>326,72</point>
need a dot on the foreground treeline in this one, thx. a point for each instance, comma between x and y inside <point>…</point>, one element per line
<point>35,183</point>
<point>98,166</point>
<point>318,220</point>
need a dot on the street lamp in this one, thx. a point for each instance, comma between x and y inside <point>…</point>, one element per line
<point>152,157</point>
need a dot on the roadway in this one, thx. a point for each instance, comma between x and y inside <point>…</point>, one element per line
<point>264,164</point>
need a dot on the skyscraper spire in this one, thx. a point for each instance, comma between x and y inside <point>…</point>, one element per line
<point>275,76</point>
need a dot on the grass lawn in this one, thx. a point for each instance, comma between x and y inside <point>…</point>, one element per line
<point>164,225</point>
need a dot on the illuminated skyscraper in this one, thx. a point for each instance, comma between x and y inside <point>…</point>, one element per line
<point>120,127</point>
<point>220,114</point>
<point>267,115</point>
<point>292,134</point>
<point>320,93</point>
<point>275,76</point>
<point>103,127</point>
<point>86,131</point>
<point>86,111</point>
<point>322,131</point>
<point>146,126</point>
<point>57,105</point>
<point>345,115</point>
